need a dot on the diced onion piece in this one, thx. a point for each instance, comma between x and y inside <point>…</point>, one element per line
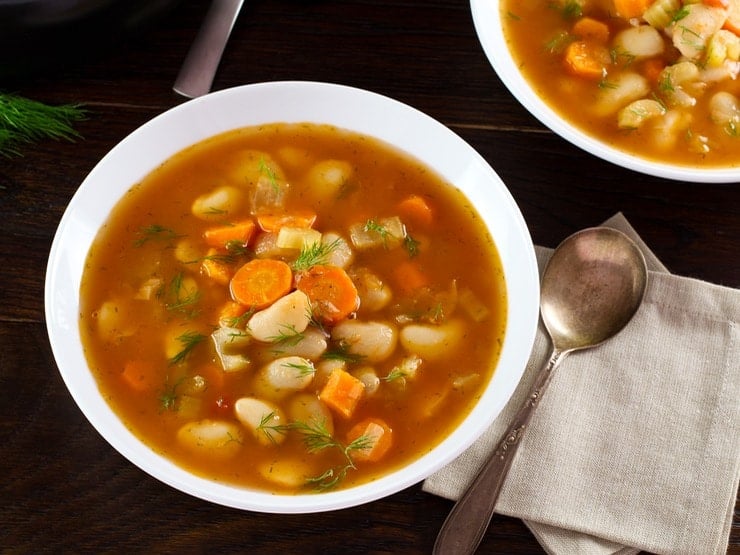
<point>229,342</point>
<point>308,409</point>
<point>638,112</point>
<point>674,78</point>
<point>460,383</point>
<point>149,289</point>
<point>265,246</point>
<point>691,33</point>
<point>218,204</point>
<point>661,12</point>
<point>288,315</point>
<point>262,419</point>
<point>472,305</point>
<point>409,366</point>
<point>373,341</point>
<point>639,42</point>
<point>723,45</point>
<point>432,342</point>
<point>341,253</point>
<point>297,238</point>
<point>383,233</point>
<point>216,438</point>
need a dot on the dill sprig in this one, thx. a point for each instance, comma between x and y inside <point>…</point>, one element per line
<point>316,437</point>
<point>341,352</point>
<point>287,335</point>
<point>314,254</point>
<point>189,340</point>
<point>24,121</point>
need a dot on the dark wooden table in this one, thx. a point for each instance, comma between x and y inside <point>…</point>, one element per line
<point>63,488</point>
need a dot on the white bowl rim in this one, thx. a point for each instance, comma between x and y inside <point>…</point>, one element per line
<point>294,101</point>
<point>488,25</point>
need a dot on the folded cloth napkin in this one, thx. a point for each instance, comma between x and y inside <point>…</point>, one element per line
<point>636,443</point>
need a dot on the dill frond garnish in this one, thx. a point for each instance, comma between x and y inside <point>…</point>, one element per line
<point>396,373</point>
<point>182,300</point>
<point>24,121</point>
<point>154,232</point>
<point>303,369</point>
<point>375,227</point>
<point>189,340</point>
<point>341,352</point>
<point>269,173</point>
<point>314,254</point>
<point>288,335</point>
<point>316,437</point>
<point>411,245</point>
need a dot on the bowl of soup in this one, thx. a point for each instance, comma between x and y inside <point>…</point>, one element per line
<point>291,297</point>
<point>650,85</point>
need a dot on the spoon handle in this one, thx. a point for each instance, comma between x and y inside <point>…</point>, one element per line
<point>468,521</point>
<point>200,65</point>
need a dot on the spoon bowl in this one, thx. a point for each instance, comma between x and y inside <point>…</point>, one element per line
<point>591,287</point>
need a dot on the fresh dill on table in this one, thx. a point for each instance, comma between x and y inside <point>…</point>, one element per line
<point>25,121</point>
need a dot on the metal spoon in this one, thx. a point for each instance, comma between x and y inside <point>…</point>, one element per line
<point>200,65</point>
<point>591,288</point>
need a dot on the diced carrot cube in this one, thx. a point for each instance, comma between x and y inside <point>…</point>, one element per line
<point>274,222</point>
<point>342,392</point>
<point>230,314</point>
<point>417,210</point>
<point>408,276</point>
<point>631,8</point>
<point>140,375</point>
<point>215,269</point>
<point>378,436</point>
<point>584,59</point>
<point>220,237</point>
<point>592,29</point>
<point>652,68</point>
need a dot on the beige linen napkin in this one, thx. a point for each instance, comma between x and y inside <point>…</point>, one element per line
<point>636,443</point>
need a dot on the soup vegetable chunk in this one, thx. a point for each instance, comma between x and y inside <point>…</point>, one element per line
<point>292,308</point>
<point>656,78</point>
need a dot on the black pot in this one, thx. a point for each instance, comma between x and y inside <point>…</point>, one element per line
<point>48,35</point>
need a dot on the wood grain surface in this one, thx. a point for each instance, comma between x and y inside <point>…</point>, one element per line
<point>63,488</point>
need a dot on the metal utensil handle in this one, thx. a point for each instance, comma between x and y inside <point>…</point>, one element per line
<point>465,526</point>
<point>200,65</point>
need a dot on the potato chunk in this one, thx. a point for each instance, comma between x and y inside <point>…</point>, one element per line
<point>373,341</point>
<point>218,204</point>
<point>432,342</point>
<point>216,438</point>
<point>263,419</point>
<point>290,314</point>
<point>283,376</point>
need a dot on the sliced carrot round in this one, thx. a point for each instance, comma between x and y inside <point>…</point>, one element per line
<point>331,291</point>
<point>260,282</point>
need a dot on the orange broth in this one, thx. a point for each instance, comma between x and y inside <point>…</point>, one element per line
<point>686,133</point>
<point>146,296</point>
